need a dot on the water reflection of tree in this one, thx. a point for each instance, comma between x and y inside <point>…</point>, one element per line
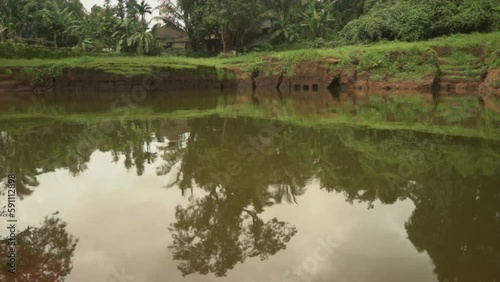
<point>214,233</point>
<point>454,189</point>
<point>351,161</point>
<point>132,140</point>
<point>14,160</point>
<point>43,253</point>
<point>458,225</point>
<point>28,151</point>
<point>445,180</point>
<point>217,232</point>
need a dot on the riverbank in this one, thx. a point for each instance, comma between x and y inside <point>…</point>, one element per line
<point>462,64</point>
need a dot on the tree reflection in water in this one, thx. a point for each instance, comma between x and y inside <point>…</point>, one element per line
<point>454,188</point>
<point>214,233</point>
<point>212,237</point>
<point>43,254</point>
<point>453,184</point>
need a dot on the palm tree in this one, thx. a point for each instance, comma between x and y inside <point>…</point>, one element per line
<point>173,15</point>
<point>144,9</point>
<point>142,40</point>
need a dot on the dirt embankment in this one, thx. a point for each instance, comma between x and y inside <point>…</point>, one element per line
<point>444,69</point>
<point>95,80</point>
<point>160,79</point>
<point>318,75</point>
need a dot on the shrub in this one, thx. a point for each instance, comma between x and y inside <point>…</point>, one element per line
<point>474,16</point>
<point>11,50</point>
<point>407,22</point>
<point>365,29</point>
<point>412,20</point>
<point>45,75</point>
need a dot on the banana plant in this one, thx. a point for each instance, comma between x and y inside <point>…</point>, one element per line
<point>284,29</point>
<point>81,31</point>
<point>143,42</point>
<point>60,22</point>
<point>285,18</point>
<point>2,31</point>
<point>316,18</point>
<point>124,30</point>
<point>131,38</point>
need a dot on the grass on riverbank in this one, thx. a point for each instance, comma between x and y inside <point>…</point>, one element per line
<point>376,58</point>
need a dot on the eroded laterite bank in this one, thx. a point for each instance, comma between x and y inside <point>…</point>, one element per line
<point>92,79</point>
<point>307,76</point>
<point>461,71</point>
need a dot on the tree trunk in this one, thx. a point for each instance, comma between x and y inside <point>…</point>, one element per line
<point>226,39</point>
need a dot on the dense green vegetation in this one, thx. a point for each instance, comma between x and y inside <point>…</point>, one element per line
<point>338,22</point>
<point>125,28</point>
<point>421,19</point>
<point>66,23</point>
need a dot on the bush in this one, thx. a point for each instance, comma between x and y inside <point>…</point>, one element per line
<point>45,75</point>
<point>412,20</point>
<point>365,29</point>
<point>407,22</point>
<point>11,50</point>
<point>476,16</point>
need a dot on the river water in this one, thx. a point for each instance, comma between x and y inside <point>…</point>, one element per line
<point>252,187</point>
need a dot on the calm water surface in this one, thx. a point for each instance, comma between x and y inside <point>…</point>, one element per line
<point>241,187</point>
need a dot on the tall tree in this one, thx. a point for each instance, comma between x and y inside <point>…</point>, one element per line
<point>131,7</point>
<point>121,11</point>
<point>143,9</point>
<point>233,18</point>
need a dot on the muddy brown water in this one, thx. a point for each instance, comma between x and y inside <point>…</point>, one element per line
<point>251,187</point>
